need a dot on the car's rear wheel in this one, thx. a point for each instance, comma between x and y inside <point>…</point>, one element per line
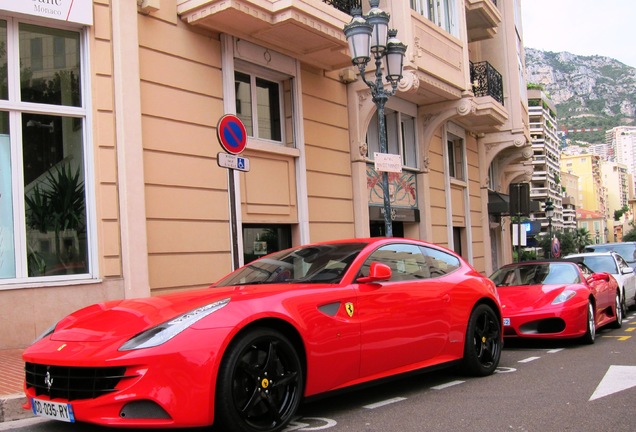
<point>618,322</point>
<point>483,345</point>
<point>260,383</point>
<point>590,334</point>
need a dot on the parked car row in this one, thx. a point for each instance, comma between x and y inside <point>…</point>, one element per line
<point>244,352</point>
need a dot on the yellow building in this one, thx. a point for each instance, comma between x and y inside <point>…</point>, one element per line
<point>588,169</point>
<point>111,184</point>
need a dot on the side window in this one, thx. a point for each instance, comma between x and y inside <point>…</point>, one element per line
<point>439,263</point>
<point>410,262</point>
<point>406,262</point>
<point>621,262</point>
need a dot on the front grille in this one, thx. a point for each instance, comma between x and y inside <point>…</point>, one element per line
<point>72,383</point>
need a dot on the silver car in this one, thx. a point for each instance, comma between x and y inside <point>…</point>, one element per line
<point>614,264</point>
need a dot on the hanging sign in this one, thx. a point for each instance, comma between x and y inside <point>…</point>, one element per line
<point>74,11</point>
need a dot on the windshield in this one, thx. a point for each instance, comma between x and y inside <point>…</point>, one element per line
<point>600,264</point>
<point>627,251</point>
<point>536,274</point>
<point>307,264</point>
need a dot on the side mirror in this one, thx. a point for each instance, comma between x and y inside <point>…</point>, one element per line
<point>378,272</point>
<point>627,270</point>
<point>599,277</point>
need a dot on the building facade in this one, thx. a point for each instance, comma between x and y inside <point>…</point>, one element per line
<point>546,180</point>
<point>109,114</point>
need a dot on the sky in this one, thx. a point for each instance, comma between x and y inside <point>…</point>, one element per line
<point>584,27</point>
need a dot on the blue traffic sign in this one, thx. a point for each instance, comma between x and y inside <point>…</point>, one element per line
<point>231,134</point>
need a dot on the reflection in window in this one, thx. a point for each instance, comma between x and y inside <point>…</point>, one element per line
<point>54,195</point>
<point>49,66</point>
<point>7,253</point>
<point>4,88</point>
<point>259,240</point>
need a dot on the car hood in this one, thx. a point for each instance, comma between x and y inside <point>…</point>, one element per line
<point>124,318</point>
<point>528,297</point>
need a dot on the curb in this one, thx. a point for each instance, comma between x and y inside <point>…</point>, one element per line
<point>11,408</point>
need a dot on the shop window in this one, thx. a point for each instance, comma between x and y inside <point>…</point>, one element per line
<point>43,211</point>
<point>260,240</point>
<point>400,136</point>
<point>441,12</point>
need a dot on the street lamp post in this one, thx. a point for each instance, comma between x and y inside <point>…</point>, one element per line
<point>368,35</point>
<point>549,213</point>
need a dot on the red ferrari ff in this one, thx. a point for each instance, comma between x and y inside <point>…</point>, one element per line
<point>556,299</point>
<point>244,352</point>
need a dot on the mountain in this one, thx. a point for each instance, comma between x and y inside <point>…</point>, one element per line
<point>588,91</point>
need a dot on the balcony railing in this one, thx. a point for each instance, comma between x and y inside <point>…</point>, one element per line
<point>486,81</point>
<point>344,5</point>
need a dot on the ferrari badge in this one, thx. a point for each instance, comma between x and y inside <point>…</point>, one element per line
<point>349,309</point>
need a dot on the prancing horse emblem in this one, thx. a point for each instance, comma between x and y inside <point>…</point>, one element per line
<point>48,381</point>
<point>349,309</point>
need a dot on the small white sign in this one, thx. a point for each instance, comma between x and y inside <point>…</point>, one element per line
<point>226,160</point>
<point>75,11</point>
<point>385,162</point>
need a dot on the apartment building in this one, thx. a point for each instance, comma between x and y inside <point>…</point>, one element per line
<point>546,180</point>
<point>115,105</point>
<point>592,194</point>
<point>622,142</point>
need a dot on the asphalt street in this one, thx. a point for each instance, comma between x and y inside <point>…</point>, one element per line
<point>539,386</point>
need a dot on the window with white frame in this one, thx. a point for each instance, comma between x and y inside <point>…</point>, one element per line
<point>400,136</point>
<point>456,155</point>
<point>263,103</point>
<point>441,12</point>
<point>43,211</point>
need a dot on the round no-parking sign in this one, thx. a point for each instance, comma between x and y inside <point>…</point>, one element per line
<point>231,133</point>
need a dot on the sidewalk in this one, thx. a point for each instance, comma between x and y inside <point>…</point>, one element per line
<point>11,386</point>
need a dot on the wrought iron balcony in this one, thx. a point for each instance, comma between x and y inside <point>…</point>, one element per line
<point>344,5</point>
<point>486,81</point>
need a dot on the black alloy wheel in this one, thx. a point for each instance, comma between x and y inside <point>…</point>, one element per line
<point>482,349</point>
<point>260,383</point>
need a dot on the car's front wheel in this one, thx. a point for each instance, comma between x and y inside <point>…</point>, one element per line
<point>483,345</point>
<point>260,383</point>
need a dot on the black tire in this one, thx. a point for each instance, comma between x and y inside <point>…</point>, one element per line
<point>618,322</point>
<point>482,349</point>
<point>260,383</point>
<point>623,303</point>
<point>590,334</point>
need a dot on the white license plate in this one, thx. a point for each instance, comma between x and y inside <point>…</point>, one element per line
<point>55,410</point>
<point>506,321</point>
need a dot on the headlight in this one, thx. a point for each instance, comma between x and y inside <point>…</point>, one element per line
<point>164,332</point>
<point>564,296</point>
<point>46,332</point>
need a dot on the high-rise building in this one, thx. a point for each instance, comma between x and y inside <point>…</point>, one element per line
<point>546,156</point>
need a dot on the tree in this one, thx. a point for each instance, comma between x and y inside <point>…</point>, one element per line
<point>571,241</point>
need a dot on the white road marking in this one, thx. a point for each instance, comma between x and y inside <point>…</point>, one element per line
<point>617,378</point>
<point>384,402</point>
<point>555,350</point>
<point>448,384</point>
<point>528,360</point>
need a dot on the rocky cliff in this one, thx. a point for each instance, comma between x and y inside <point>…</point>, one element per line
<point>589,91</point>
